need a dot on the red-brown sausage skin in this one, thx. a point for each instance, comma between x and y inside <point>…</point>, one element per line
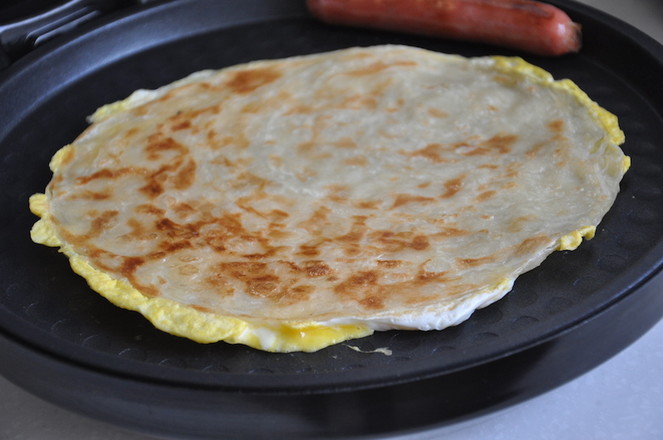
<point>525,25</point>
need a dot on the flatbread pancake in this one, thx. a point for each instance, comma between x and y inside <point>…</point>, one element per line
<point>295,203</point>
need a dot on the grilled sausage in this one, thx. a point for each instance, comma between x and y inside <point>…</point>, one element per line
<point>526,25</point>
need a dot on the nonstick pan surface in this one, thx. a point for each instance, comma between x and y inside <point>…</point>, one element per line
<point>561,319</point>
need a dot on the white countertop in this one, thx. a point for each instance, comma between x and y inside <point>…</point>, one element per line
<point>620,399</point>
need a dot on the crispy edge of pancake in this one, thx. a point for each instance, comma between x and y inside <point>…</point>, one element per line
<point>288,336</point>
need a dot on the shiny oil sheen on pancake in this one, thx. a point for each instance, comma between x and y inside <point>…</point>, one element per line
<point>292,204</point>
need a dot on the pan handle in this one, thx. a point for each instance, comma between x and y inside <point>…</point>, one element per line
<point>19,37</point>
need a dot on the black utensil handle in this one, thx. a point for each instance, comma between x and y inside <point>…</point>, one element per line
<point>19,37</point>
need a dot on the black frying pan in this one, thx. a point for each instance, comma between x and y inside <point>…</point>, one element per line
<point>68,345</point>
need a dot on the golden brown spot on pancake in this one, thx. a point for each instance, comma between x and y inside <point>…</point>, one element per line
<point>276,160</point>
<point>337,198</point>
<point>532,244</point>
<point>260,280</point>
<point>147,290</point>
<point>212,136</point>
<point>270,251</point>
<point>185,176</point>
<point>102,222</point>
<point>173,93</point>
<point>337,188</point>
<point>379,66</point>
<point>93,251</point>
<point>367,204</point>
<point>356,282</point>
<point>277,233</point>
<point>217,242</point>
<point>300,109</point>
<point>309,250</point>
<point>360,161</point>
<point>306,147</point>
<point>449,232</point>
<point>199,308</point>
<point>556,126</point>
<point>419,299</point>
<point>364,288</point>
<point>93,195</point>
<point>315,222</point>
<point>248,179</point>
<point>358,102</point>
<point>500,144</point>
<point>437,113</point>
<point>176,231</point>
<point>130,264</point>
<point>221,284</point>
<point>137,228</point>
<point>183,209</point>
<point>452,186</point>
<point>511,171</point>
<point>183,125</point>
<point>243,270</point>
<point>372,302</point>
<point>223,161</point>
<point>506,80</point>
<point>312,268</point>
<point>390,241</point>
<point>432,152</point>
<point>157,144</point>
<point>303,290</point>
<point>225,141</point>
<point>404,199</point>
<point>104,173</point>
<point>147,208</point>
<point>247,80</point>
<point>409,291</point>
<point>188,258</point>
<point>139,111</point>
<point>277,215</point>
<point>485,196</point>
<point>253,107</point>
<point>389,264</point>
<point>173,246</point>
<point>152,189</point>
<point>138,231</point>
<point>350,241</point>
<point>192,114</point>
<point>516,224</point>
<point>316,268</point>
<point>399,103</point>
<point>474,262</point>
<point>561,163</point>
<point>345,142</point>
<point>265,286</point>
<point>535,149</point>
<point>202,309</point>
<point>429,276</point>
<point>419,243</point>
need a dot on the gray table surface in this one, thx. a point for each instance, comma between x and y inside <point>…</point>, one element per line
<point>620,399</point>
